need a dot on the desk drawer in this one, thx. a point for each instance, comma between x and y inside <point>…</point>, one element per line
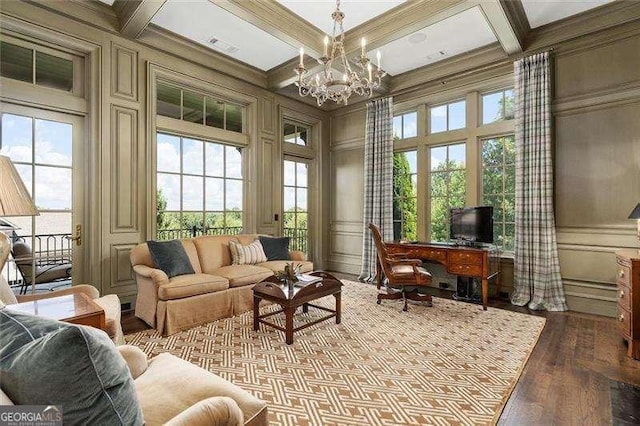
<point>468,270</point>
<point>624,273</point>
<point>624,296</point>
<point>428,254</point>
<point>465,258</point>
<point>624,320</point>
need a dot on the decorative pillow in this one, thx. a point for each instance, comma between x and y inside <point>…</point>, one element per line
<point>47,362</point>
<point>171,257</point>
<point>276,248</point>
<point>247,255</point>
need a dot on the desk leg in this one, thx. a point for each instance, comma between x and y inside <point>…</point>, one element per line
<point>338,307</point>
<point>256,312</point>
<point>485,293</point>
<point>288,313</point>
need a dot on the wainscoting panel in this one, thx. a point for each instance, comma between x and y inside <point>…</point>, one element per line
<point>121,270</point>
<point>124,71</point>
<point>124,154</point>
<point>267,113</point>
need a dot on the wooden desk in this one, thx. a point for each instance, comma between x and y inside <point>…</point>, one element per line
<point>77,308</point>
<point>480,263</point>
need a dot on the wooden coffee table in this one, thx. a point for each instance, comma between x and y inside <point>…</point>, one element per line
<point>275,291</point>
<point>77,308</point>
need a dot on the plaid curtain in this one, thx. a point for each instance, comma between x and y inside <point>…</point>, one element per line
<point>537,280</point>
<point>378,180</point>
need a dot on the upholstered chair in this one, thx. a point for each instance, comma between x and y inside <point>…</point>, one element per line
<point>110,304</point>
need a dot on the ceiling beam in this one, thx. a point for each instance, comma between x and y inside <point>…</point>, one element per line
<point>277,20</point>
<point>400,21</point>
<point>509,23</point>
<point>135,15</point>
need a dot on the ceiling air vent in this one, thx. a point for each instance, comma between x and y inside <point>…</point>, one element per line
<point>222,46</point>
<point>436,55</point>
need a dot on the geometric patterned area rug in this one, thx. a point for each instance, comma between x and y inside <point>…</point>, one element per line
<point>452,363</point>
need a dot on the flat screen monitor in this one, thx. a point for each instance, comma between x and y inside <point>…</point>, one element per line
<point>472,224</point>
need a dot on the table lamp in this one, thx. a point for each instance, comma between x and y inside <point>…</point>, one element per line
<point>635,214</point>
<point>14,201</point>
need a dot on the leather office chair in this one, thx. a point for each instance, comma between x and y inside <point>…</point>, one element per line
<point>403,277</point>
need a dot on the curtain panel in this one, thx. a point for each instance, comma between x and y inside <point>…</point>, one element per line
<point>378,180</point>
<point>537,281</point>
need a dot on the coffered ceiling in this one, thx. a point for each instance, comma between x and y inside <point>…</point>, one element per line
<point>411,34</point>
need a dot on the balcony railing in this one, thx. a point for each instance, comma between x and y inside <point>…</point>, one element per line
<point>49,249</point>
<point>195,231</point>
<point>298,236</point>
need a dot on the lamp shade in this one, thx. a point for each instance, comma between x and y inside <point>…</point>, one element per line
<point>635,214</point>
<point>14,197</point>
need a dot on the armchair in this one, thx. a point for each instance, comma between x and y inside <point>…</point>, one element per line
<point>110,304</point>
<point>403,277</point>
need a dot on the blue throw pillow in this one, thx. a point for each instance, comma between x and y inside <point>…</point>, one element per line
<point>47,362</point>
<point>171,257</point>
<point>276,248</point>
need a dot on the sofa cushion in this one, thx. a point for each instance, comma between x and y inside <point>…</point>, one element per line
<point>278,265</point>
<point>171,257</point>
<point>166,371</point>
<point>191,285</point>
<point>240,275</point>
<point>76,367</point>
<point>276,248</point>
<point>247,255</point>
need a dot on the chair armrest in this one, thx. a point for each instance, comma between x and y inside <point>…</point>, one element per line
<point>400,255</point>
<point>157,275</point>
<point>87,289</point>
<point>298,255</point>
<point>217,411</point>
<point>136,359</point>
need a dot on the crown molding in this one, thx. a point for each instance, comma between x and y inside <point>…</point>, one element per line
<point>598,19</point>
<point>94,13</point>
<point>277,20</point>
<point>136,15</point>
<point>183,48</point>
<point>482,56</point>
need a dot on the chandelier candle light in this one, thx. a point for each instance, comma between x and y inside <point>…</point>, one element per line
<point>324,86</point>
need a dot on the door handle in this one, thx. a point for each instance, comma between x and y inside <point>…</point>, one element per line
<point>78,236</point>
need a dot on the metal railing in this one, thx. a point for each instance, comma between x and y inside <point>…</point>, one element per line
<point>298,236</point>
<point>195,231</point>
<point>49,249</point>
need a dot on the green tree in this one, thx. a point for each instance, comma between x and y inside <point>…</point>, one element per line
<point>404,199</point>
<point>448,189</point>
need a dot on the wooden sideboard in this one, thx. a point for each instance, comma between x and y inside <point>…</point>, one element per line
<point>474,262</point>
<point>628,262</point>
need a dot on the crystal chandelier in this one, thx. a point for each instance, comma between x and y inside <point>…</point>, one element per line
<point>324,85</point>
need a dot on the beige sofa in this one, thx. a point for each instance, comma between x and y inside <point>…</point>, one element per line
<point>217,290</point>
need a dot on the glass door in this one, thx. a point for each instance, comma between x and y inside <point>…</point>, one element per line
<point>296,207</point>
<point>46,148</point>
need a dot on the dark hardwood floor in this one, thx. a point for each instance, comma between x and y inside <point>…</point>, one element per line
<point>565,381</point>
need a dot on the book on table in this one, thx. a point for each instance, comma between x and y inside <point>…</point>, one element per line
<point>306,279</point>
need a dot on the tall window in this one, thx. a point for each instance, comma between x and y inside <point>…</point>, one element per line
<point>499,186</point>
<point>199,188</point>
<point>296,180</point>
<point>448,186</point>
<point>497,106</point>
<point>405,125</point>
<point>447,117</point>
<point>405,178</point>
